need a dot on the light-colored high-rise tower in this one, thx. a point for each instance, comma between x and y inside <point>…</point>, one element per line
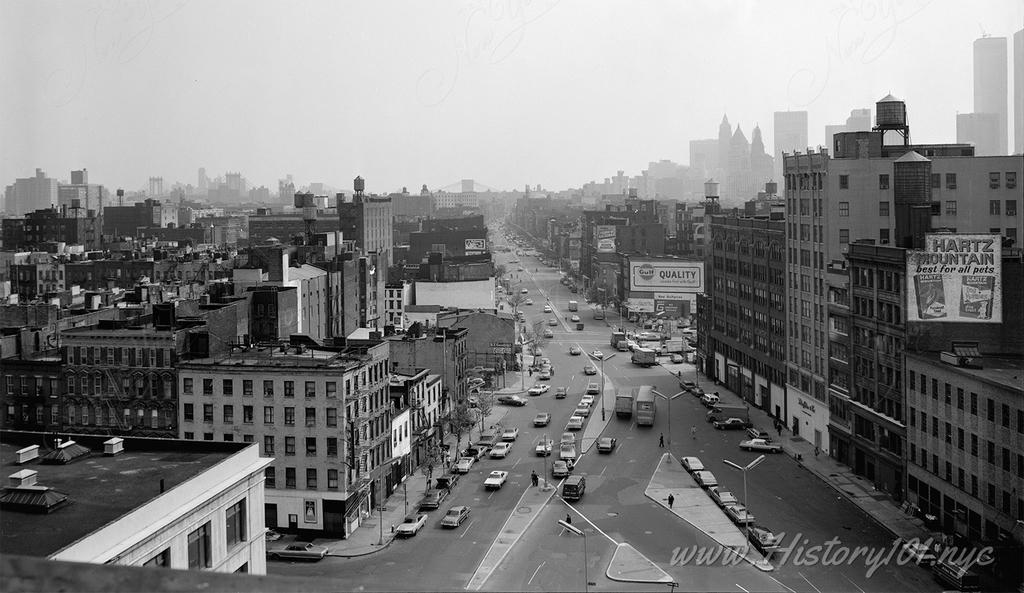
<point>1018,92</point>
<point>990,88</point>
<point>789,134</point>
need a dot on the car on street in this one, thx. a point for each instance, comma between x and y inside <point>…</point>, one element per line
<point>582,411</point>
<point>298,551</point>
<point>411,525</point>
<point>756,433</point>
<point>464,464</point>
<point>705,479</point>
<point>676,358</point>
<point>709,400</point>
<point>575,319</point>
<point>919,552</point>
<point>567,452</point>
<point>590,370</point>
<point>432,499</point>
<point>763,539</point>
<point>455,516</point>
<point>559,469</point>
<point>606,444</point>
<point>524,291</point>
<point>543,447</point>
<point>510,434</point>
<point>512,400</point>
<point>545,361</point>
<point>688,386</point>
<point>568,437</point>
<point>538,389</point>
<point>597,354</point>
<point>575,350</point>
<point>545,374</point>
<point>587,400</point>
<point>547,308</point>
<point>739,514</point>
<point>549,334</point>
<point>697,392</point>
<point>692,464</point>
<point>496,480</point>
<point>575,423</point>
<point>475,453</point>
<point>722,497</point>
<point>561,392</point>
<point>528,302</point>
<point>592,389</point>
<point>730,424</point>
<point>552,322</point>
<point>760,445</point>
<point>500,450</point>
<point>542,419</point>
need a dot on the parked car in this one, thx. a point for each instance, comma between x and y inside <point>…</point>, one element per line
<point>677,358</point>
<point>606,444</point>
<point>495,480</point>
<point>512,400</point>
<point>917,551</point>
<point>575,350</point>
<point>592,389</point>
<point>548,334</point>
<point>528,301</point>
<point>538,389</point>
<point>597,355</point>
<point>411,525</point>
<point>739,514</point>
<point>692,464</point>
<point>760,445</point>
<point>763,539</point>
<point>587,400</point>
<point>446,482</point>
<point>543,447</point>
<point>575,319</point>
<point>476,453</point>
<point>757,433</point>
<point>298,551</point>
<point>552,322</point>
<point>575,423</point>
<point>500,451</point>
<point>455,516</point>
<point>709,400</point>
<point>568,437</point>
<point>730,424</point>
<point>524,291</point>
<point>722,498</point>
<point>464,464</point>
<point>510,434</point>
<point>560,469</point>
<point>582,411</point>
<point>432,499</point>
<point>542,419</point>
<point>561,393</point>
<point>547,308</point>
<point>705,479</point>
<point>590,370</point>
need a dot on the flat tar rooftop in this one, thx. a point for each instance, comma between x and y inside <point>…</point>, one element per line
<point>1003,371</point>
<point>273,357</point>
<point>99,488</point>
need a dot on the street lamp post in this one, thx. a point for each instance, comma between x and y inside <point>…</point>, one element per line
<point>583,534</point>
<point>669,398</point>
<point>745,469</point>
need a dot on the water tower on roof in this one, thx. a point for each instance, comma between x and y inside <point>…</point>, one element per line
<point>891,114</point>
<point>358,184</point>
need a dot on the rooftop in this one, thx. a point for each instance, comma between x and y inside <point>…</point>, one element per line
<point>1005,372</point>
<point>292,357</point>
<point>99,488</point>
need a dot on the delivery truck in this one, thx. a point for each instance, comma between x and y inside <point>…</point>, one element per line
<point>618,337</point>
<point>644,357</point>
<point>624,404</point>
<point>722,411</point>
<point>574,306</point>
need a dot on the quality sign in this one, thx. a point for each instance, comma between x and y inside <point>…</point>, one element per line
<point>669,276</point>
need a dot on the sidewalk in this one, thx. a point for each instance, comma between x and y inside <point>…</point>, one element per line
<point>878,505</point>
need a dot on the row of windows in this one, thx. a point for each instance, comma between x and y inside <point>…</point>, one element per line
<point>312,478</point>
<point>1003,415</point>
<point>199,540</point>
<point>133,357</point>
<point>227,387</point>
<point>920,457</point>
<point>227,415</point>
<point>995,207</point>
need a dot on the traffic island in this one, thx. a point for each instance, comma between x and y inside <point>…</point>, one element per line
<point>630,566</point>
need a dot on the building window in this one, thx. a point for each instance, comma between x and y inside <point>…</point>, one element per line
<point>268,389</point>
<point>268,414</point>
<point>199,547</point>
<point>883,208</point>
<point>247,414</point>
<point>235,522</point>
<point>883,236</point>
<point>311,478</point>
<point>936,181</point>
<point>993,180</point>
<point>332,479</point>
<point>289,388</point>
<point>207,386</point>
<point>289,445</point>
<point>289,477</point>
<point>247,387</point>
<point>1011,179</point>
<point>993,207</point>
<point>332,446</point>
<point>186,386</point>
<point>289,416</point>
<point>310,446</point>
<point>1011,207</point>
<point>883,183</point>
<point>951,207</point>
<point>207,412</point>
<point>844,236</point>
<point>844,208</point>
<point>332,389</point>
<point>844,182</point>
<point>270,477</point>
<point>950,180</point>
<point>189,413</point>
<point>228,386</point>
<point>310,416</point>
<point>229,414</point>
<point>310,389</point>
<point>936,208</point>
<point>332,416</point>
<point>162,560</point>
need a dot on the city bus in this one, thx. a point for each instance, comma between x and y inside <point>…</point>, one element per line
<point>645,406</point>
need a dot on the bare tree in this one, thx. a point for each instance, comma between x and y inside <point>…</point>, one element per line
<point>500,270</point>
<point>432,459</point>
<point>484,405</point>
<point>461,421</point>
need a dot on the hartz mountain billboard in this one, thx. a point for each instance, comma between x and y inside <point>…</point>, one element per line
<point>956,278</point>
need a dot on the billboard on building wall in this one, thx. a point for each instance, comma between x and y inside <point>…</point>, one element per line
<point>956,278</point>
<point>476,245</point>
<point>670,303</point>
<point>667,276</point>
<point>640,305</point>
<point>604,238</point>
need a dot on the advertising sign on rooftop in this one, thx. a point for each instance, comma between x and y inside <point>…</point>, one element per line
<point>956,278</point>
<point>666,276</point>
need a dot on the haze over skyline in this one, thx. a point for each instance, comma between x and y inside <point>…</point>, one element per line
<point>406,93</point>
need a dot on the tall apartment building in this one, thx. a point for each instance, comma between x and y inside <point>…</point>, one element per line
<point>990,86</point>
<point>444,352</point>
<point>367,220</point>
<point>979,129</point>
<point>742,319</point>
<point>1018,92</point>
<point>321,413</point>
<point>789,134</point>
<point>29,194</point>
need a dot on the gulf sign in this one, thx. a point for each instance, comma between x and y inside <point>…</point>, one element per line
<point>667,276</point>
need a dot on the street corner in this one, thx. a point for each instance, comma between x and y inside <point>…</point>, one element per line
<point>339,550</point>
<point>630,566</point>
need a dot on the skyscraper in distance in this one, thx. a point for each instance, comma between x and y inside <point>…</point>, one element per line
<point>789,134</point>
<point>990,88</point>
<point>1018,92</point>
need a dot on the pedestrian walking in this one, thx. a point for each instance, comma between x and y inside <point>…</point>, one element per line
<point>568,519</point>
<point>693,432</point>
<point>661,440</point>
<point>671,500</point>
<point>534,478</point>
<point>778,428</point>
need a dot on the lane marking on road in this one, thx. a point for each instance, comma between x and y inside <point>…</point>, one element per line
<point>853,583</point>
<point>517,462</point>
<point>603,470</point>
<point>781,583</point>
<point>741,588</point>
<point>584,517</point>
<point>809,582</point>
<point>466,530</point>
<point>530,582</point>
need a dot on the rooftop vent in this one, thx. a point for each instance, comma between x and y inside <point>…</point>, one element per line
<point>65,453</point>
<point>27,454</point>
<point>964,354</point>
<point>114,446</point>
<point>25,477</point>
<point>32,499</point>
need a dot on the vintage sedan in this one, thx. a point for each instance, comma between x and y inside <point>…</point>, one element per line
<point>692,464</point>
<point>606,444</point>
<point>593,389</point>
<point>705,478</point>
<point>722,498</point>
<point>511,400</point>
<point>730,424</point>
<point>432,499</point>
<point>500,450</point>
<point>763,539</point>
<point>597,354</point>
<point>411,525</point>
<point>542,419</point>
<point>463,465</point>
<point>543,447</point>
<point>590,370</point>
<point>510,434</point>
<point>298,551</point>
<point>575,423</point>
<point>539,389</point>
<point>582,411</point>
<point>739,514</point>
<point>560,469</point>
<point>575,350</point>
<point>496,480</point>
<point>455,516</point>
<point>760,445</point>
<point>567,452</point>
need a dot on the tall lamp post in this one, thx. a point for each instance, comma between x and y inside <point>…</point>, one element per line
<point>669,398</point>
<point>576,531</point>
<point>745,469</point>
<point>603,358</point>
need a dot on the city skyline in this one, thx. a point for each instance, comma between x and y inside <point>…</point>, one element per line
<point>161,90</point>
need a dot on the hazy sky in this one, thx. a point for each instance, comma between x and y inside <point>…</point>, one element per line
<point>406,93</point>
